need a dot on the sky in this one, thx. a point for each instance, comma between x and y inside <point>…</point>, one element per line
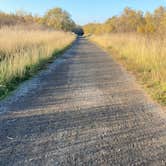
<point>82,11</point>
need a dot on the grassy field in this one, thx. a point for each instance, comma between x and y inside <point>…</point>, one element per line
<point>23,52</point>
<point>144,56</point>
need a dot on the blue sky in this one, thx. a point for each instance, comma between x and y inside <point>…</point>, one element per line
<point>82,11</point>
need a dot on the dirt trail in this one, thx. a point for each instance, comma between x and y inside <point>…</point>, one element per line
<point>84,110</point>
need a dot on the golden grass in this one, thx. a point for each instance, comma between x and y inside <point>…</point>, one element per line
<point>22,49</point>
<point>145,56</point>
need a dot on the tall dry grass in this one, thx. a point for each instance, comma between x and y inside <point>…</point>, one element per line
<point>21,51</point>
<point>144,55</point>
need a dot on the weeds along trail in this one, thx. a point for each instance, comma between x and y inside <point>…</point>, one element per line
<point>23,51</point>
<point>143,55</point>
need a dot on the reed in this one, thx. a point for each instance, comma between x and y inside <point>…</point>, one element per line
<point>23,51</point>
<point>144,55</point>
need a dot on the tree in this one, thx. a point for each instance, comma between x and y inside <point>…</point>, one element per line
<point>78,30</point>
<point>90,28</point>
<point>59,19</point>
<point>111,24</point>
<point>130,20</point>
<point>159,18</point>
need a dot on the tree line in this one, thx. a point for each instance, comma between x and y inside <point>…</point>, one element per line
<point>55,18</point>
<point>131,21</point>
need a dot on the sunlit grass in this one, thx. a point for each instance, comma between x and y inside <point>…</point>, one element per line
<point>22,51</point>
<point>145,56</point>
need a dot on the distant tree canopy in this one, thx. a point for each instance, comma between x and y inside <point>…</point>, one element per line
<point>59,19</point>
<point>55,18</point>
<point>131,21</point>
<point>78,30</point>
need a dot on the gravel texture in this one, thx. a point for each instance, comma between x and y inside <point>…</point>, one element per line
<point>85,109</point>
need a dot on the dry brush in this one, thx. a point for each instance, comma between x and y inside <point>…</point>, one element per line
<point>23,51</point>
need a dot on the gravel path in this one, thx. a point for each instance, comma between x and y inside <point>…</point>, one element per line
<point>83,110</point>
